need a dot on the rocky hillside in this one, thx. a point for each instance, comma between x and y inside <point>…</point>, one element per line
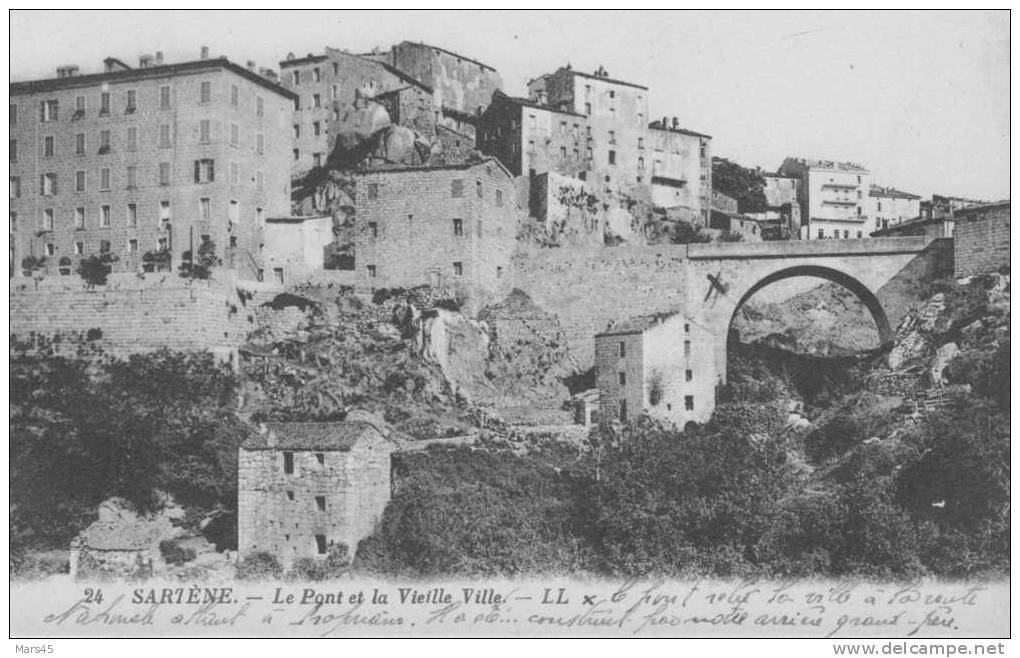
<point>414,359</point>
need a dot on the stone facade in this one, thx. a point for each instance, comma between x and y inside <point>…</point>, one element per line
<point>835,199</point>
<point>981,239</point>
<point>304,488</point>
<point>332,89</point>
<point>451,227</point>
<point>662,365</point>
<point>134,160</point>
<point>681,168</point>
<point>532,139</point>
<point>458,82</point>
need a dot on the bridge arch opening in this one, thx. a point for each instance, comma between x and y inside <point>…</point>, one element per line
<point>854,286</point>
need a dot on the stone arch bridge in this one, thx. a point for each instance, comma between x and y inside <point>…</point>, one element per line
<point>588,289</point>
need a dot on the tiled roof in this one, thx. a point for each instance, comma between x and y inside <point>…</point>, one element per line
<point>312,436</point>
<point>526,102</point>
<point>878,190</point>
<point>637,324</point>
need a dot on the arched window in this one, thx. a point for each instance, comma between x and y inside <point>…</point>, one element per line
<point>65,266</point>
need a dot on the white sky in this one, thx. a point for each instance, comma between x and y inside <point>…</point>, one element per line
<point>922,98</point>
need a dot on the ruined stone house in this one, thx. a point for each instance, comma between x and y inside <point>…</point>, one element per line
<point>305,488</point>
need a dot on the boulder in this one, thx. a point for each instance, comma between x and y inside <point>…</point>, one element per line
<point>943,356</point>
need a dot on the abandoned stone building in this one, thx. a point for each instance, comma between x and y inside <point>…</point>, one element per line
<point>305,488</point>
<point>452,226</point>
<point>981,239</point>
<point>661,364</point>
<point>153,158</point>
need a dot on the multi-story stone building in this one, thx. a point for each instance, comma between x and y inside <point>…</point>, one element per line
<point>617,113</point>
<point>305,488</point>
<point>333,87</point>
<point>681,168</point>
<point>159,157</point>
<point>452,226</point>
<point>782,206</point>
<point>834,198</point>
<point>661,365</point>
<point>532,139</point>
<point>892,206</point>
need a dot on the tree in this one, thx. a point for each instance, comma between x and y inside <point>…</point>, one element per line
<point>94,270</point>
<point>156,260</point>
<point>204,262</point>
<point>745,185</point>
<point>687,233</point>
<point>35,267</point>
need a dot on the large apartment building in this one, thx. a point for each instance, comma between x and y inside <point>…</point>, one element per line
<point>158,157</point>
<point>835,198</point>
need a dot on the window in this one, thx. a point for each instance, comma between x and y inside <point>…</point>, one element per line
<point>132,246</point>
<point>859,211</point>
<point>164,97</point>
<point>260,143</point>
<point>316,159</point>
<point>235,132</point>
<point>203,131</point>
<point>79,144</point>
<point>164,135</point>
<point>587,109</point>
<point>590,155</point>
<point>335,94</point>
<point>104,103</point>
<point>297,131</point>
<point>164,211</point>
<point>478,189</point>
<point>164,173</point>
<point>458,268</point>
<point>373,229</point>
<point>205,171</point>
<point>205,92</point>
<point>288,463</point>
<point>104,178</point>
<point>859,235</point>
<point>687,328</point>
<point>13,144</point>
<point>259,179</point>
<point>687,348</point>
<point>689,402</point>
<point>104,216</point>
<point>499,271</point>
<point>320,503</point>
<point>15,187</point>
<point>612,157</point>
<point>458,227</point>
<point>259,106</point>
<point>316,127</point>
<point>688,375</point>
<point>821,233</point>
<point>104,141</point>
<point>563,152</point>
<point>371,271</point>
<point>316,75</point>
<point>499,198</point>
<point>623,411</point>
<point>316,100</point>
<point>47,219</point>
<point>234,95</point>
<point>846,235</point>
<point>79,248</point>
<point>132,214</point>
<point>48,147</point>
<point>622,377</point>
<point>320,544</point>
<point>290,495</point>
<point>296,77</point>
<point>321,458</point>
<point>336,68</point>
<point>132,138</point>
<point>457,188</point>
<point>79,218</point>
<point>132,101</point>
<point>234,211</point>
<point>641,163</point>
<point>49,110</point>
<point>50,249</point>
<point>204,209</point>
<point>297,102</point>
<point>622,352</point>
<point>297,154</point>
<point>13,114</point>
<point>612,136</point>
<point>234,172</point>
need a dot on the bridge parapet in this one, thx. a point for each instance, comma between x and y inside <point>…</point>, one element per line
<point>806,248</point>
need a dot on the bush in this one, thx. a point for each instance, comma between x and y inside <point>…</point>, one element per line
<point>157,260</point>
<point>175,554</point>
<point>335,565</point>
<point>95,269</point>
<point>204,262</point>
<point>258,566</point>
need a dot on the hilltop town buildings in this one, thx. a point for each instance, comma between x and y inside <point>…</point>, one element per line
<point>660,365</point>
<point>156,158</point>
<point>892,206</point>
<point>452,226</point>
<point>304,489</point>
<point>833,198</point>
<point>681,173</point>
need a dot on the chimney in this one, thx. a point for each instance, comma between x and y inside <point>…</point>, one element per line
<point>68,71</point>
<point>251,65</point>
<point>159,58</point>
<point>145,62</point>
<point>290,56</point>
<point>676,123</point>
<point>204,52</point>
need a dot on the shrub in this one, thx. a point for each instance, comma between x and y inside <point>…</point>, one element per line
<point>95,269</point>
<point>204,262</point>
<point>175,554</point>
<point>258,566</point>
<point>334,565</point>
<point>156,260</point>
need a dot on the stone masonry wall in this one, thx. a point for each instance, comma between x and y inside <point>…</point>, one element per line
<point>981,241</point>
